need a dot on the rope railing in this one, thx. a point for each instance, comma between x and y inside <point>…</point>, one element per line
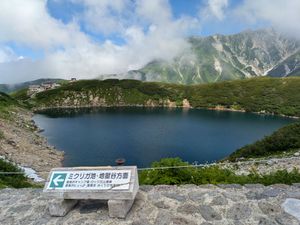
<point>185,166</point>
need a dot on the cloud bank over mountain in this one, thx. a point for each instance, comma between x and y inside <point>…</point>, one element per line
<point>106,37</point>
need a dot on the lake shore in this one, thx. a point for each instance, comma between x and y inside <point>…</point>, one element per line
<point>22,144</point>
<point>185,106</point>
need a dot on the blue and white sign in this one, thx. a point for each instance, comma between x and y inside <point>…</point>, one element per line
<point>90,180</point>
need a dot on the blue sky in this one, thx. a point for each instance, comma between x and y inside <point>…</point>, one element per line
<point>66,11</point>
<point>88,38</point>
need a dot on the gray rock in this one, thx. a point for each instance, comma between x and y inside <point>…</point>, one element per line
<point>175,196</point>
<point>286,219</point>
<point>154,196</point>
<point>207,186</point>
<point>254,195</point>
<point>234,196</point>
<point>188,209</point>
<point>20,208</point>
<point>219,200</point>
<point>271,192</point>
<point>267,193</point>
<point>239,211</point>
<point>281,187</point>
<point>196,196</point>
<point>208,213</point>
<point>141,221</point>
<point>254,186</point>
<point>297,185</point>
<point>293,194</point>
<point>146,188</point>
<point>238,222</point>
<point>266,221</point>
<point>211,198</point>
<point>163,218</point>
<point>177,220</point>
<point>268,208</point>
<point>161,205</point>
<point>235,186</point>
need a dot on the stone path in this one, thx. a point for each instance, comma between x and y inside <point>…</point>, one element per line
<point>187,204</point>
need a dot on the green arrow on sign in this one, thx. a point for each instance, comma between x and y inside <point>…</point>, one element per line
<point>58,180</point>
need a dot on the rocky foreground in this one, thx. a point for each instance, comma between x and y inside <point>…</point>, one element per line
<point>22,144</point>
<point>187,204</point>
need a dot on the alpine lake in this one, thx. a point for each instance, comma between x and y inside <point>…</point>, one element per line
<point>99,136</point>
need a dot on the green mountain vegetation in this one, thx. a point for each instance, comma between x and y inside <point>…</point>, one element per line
<point>227,57</point>
<point>279,96</point>
<point>6,103</point>
<point>12,180</point>
<point>209,175</point>
<point>282,140</point>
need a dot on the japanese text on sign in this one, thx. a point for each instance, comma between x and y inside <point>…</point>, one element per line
<point>90,180</point>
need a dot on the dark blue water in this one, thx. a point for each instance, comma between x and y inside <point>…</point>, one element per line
<point>142,135</point>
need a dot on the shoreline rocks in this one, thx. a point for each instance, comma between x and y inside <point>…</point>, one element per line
<point>23,145</point>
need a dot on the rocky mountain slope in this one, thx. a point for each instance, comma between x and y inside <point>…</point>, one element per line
<point>288,67</point>
<point>219,57</point>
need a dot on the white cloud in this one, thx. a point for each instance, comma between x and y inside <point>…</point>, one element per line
<point>281,14</point>
<point>214,9</point>
<point>28,23</point>
<point>149,31</point>
<point>105,16</point>
<point>7,54</point>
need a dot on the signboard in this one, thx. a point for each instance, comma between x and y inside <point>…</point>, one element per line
<point>89,180</point>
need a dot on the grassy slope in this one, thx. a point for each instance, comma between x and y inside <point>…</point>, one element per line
<point>284,139</point>
<point>278,96</point>
<point>115,92</point>
<point>271,95</point>
<point>6,103</point>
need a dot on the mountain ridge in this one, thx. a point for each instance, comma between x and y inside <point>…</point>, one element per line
<point>225,57</point>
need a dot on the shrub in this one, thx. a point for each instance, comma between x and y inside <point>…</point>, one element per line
<point>209,175</point>
<point>12,180</point>
<point>284,139</point>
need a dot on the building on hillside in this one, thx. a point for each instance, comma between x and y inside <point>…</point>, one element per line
<point>34,89</point>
